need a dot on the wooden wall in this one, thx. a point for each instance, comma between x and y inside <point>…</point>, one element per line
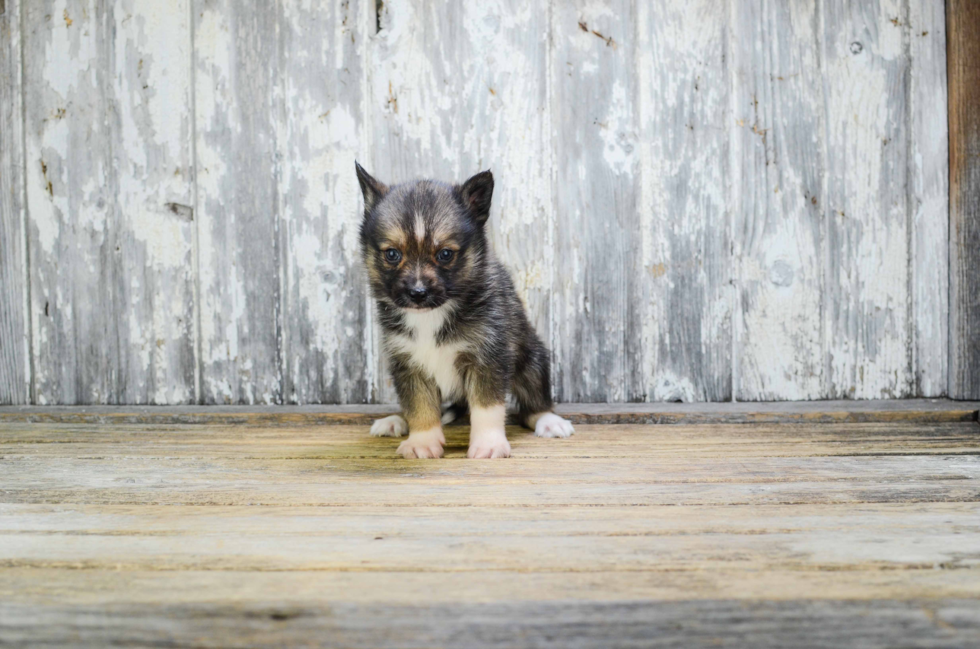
<point>699,200</point>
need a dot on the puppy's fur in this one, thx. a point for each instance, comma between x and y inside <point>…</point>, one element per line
<point>454,329</point>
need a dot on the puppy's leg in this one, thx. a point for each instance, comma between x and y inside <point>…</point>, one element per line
<point>486,390</point>
<point>532,390</point>
<point>488,439</point>
<point>419,399</point>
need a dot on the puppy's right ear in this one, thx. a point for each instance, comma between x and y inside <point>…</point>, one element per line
<point>374,190</point>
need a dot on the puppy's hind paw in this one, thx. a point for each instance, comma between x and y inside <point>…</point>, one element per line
<point>551,425</point>
<point>393,426</point>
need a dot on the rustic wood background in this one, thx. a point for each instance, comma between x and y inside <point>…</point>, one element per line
<point>699,200</point>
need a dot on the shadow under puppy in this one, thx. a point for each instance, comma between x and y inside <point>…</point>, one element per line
<point>454,329</point>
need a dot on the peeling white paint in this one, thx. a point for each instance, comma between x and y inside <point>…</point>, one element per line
<point>648,168</point>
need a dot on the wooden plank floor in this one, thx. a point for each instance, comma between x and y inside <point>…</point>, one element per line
<point>747,535</point>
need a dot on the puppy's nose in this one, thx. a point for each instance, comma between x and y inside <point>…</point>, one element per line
<point>418,295</point>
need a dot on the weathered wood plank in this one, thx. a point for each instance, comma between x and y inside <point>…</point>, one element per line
<point>963,35</point>
<point>385,542</point>
<point>311,442</point>
<point>867,298</point>
<point>735,465</point>
<point>15,369</point>
<point>292,534</point>
<point>778,201</point>
<point>325,332</point>
<point>681,624</point>
<point>684,291</point>
<point>463,87</point>
<point>929,170</point>
<point>238,81</point>
<point>109,187</point>
<point>109,589</point>
<point>905,410</point>
<point>595,241</point>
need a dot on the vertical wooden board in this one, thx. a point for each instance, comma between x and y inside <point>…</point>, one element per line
<point>15,373</point>
<point>505,126</point>
<point>413,88</point>
<point>459,88</point>
<point>236,81</point>
<point>148,67</point>
<point>108,148</point>
<point>326,338</point>
<point>685,262</point>
<point>963,34</point>
<point>70,194</point>
<point>867,296</point>
<point>597,225</point>
<point>777,200</point>
<point>929,170</point>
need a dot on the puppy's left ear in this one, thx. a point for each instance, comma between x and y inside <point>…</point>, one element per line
<point>476,193</point>
<point>372,188</point>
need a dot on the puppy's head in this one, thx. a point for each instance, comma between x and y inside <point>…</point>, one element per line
<point>423,241</point>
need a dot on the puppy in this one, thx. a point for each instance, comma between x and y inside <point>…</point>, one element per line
<point>454,329</point>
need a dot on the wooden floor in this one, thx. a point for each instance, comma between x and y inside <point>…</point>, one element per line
<point>746,535</point>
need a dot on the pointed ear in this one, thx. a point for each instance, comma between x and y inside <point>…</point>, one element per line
<point>373,189</point>
<point>476,193</point>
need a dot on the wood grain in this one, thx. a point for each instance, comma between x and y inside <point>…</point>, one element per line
<point>459,88</point>
<point>697,202</point>
<point>778,200</point>
<point>905,410</point>
<point>800,534</point>
<point>866,209</point>
<point>108,184</point>
<point>685,305</point>
<point>320,126</point>
<point>15,370</point>
<point>929,195</point>
<point>963,34</point>
<point>595,178</point>
<point>239,220</point>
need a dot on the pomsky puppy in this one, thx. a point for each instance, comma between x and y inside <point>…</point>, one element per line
<point>454,329</point>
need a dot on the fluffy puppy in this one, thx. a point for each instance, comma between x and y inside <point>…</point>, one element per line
<point>454,329</point>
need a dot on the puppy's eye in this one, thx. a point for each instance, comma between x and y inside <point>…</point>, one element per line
<point>392,256</point>
<point>444,255</point>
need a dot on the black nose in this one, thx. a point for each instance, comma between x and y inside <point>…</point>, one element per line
<point>418,295</point>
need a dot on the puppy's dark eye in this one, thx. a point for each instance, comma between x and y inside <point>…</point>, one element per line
<point>392,255</point>
<point>444,255</point>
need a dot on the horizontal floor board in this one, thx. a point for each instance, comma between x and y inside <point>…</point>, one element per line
<point>909,410</point>
<point>949,623</point>
<point>146,533</point>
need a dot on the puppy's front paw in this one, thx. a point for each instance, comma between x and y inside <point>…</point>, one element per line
<point>393,426</point>
<point>424,445</point>
<point>551,425</point>
<point>488,445</point>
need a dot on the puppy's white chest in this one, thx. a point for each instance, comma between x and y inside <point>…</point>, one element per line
<point>438,361</point>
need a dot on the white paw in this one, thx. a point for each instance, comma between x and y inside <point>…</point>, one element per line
<point>393,426</point>
<point>488,445</point>
<point>551,425</point>
<point>424,445</point>
<point>449,416</point>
